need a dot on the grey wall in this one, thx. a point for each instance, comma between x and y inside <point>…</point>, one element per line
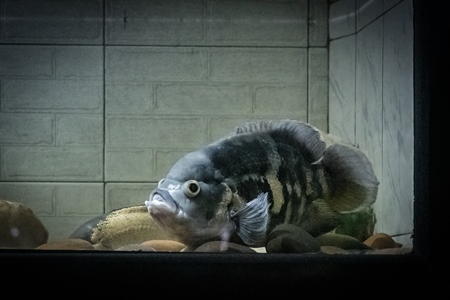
<point>99,98</point>
<point>371,99</point>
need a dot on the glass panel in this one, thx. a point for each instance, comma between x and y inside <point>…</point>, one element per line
<point>160,126</point>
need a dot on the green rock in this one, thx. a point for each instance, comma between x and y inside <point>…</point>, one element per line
<point>359,225</point>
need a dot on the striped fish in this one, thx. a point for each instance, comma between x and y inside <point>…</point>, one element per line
<point>264,174</point>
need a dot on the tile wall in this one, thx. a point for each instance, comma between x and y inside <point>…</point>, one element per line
<point>371,99</point>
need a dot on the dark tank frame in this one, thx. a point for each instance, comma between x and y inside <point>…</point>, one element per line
<point>215,274</point>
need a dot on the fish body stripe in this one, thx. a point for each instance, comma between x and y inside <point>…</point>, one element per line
<point>277,193</point>
<point>227,156</point>
<point>293,193</point>
<point>291,182</point>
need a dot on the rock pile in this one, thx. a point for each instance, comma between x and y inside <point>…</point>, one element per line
<point>21,228</point>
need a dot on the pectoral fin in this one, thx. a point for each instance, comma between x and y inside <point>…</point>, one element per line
<point>251,221</point>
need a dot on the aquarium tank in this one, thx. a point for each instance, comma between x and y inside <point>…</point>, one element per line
<point>100,101</point>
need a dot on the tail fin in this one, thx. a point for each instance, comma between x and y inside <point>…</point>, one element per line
<point>353,183</point>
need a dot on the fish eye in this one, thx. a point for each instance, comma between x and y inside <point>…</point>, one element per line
<point>191,188</point>
<point>161,182</point>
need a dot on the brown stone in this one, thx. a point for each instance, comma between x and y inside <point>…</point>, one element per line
<point>20,227</point>
<point>381,241</point>
<point>67,244</point>
<point>164,245</point>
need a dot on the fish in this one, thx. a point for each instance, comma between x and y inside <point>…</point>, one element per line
<point>119,228</point>
<point>263,174</point>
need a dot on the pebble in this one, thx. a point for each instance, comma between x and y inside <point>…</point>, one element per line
<point>381,241</point>
<point>333,250</point>
<point>67,244</point>
<point>136,247</point>
<point>342,241</point>
<point>402,250</point>
<point>288,238</point>
<point>223,247</point>
<point>164,245</point>
<point>260,249</point>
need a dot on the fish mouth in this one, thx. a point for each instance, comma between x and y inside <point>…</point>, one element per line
<point>161,204</point>
<point>169,215</point>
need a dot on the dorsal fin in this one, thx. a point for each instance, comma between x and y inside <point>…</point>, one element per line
<point>303,136</point>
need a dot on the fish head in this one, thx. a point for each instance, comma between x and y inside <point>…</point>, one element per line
<point>192,203</point>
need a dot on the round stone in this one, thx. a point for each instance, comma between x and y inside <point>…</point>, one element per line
<point>20,227</point>
<point>288,238</point>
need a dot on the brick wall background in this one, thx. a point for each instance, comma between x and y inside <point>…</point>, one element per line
<point>98,98</point>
